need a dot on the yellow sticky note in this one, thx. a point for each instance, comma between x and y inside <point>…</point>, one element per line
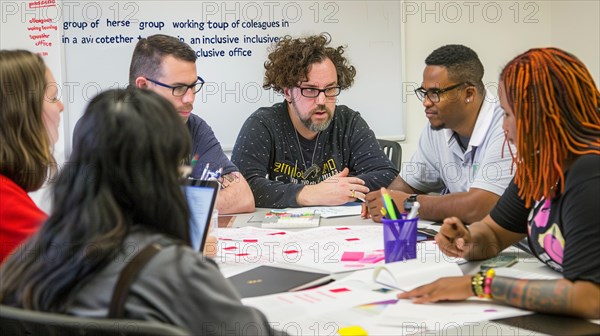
<point>352,331</point>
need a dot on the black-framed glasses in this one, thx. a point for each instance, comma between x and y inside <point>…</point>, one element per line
<point>181,90</point>
<point>314,92</point>
<point>434,94</point>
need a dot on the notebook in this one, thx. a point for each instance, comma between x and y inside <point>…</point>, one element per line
<point>201,196</point>
<point>265,280</point>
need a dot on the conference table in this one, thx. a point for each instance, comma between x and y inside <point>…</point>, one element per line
<point>534,324</point>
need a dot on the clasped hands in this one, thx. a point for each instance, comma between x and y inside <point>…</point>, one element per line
<point>336,190</point>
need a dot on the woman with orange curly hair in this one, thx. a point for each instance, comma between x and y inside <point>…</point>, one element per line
<point>552,115</point>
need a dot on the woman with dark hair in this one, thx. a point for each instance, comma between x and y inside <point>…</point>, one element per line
<point>120,193</point>
<point>29,118</point>
<point>552,114</point>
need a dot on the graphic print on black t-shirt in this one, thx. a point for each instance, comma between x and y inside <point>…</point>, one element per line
<point>295,173</point>
<point>545,236</point>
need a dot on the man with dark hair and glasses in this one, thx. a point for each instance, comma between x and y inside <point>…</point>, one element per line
<point>307,150</point>
<point>167,66</point>
<point>460,153</point>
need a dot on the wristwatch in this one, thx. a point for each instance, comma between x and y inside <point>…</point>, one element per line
<point>408,202</point>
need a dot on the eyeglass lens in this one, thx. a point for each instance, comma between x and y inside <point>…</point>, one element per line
<point>314,92</point>
<point>182,90</point>
<point>432,95</point>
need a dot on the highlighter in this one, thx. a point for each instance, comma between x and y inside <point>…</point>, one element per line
<point>388,203</point>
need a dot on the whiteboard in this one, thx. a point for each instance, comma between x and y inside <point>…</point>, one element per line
<point>99,37</point>
<point>35,26</point>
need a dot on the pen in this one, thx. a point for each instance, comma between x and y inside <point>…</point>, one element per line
<point>204,172</point>
<point>414,211</point>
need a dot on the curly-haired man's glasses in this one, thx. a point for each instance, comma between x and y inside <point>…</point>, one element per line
<point>314,92</point>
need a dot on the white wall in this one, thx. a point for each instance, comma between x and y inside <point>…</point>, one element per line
<point>576,28</point>
<point>233,88</point>
<point>572,25</point>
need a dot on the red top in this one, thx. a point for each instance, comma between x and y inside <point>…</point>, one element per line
<point>19,216</point>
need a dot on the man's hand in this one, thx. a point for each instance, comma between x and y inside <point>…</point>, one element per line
<point>373,205</point>
<point>336,190</point>
<point>454,239</point>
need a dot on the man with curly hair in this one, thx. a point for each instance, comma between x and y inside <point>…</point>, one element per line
<point>460,153</point>
<point>307,150</point>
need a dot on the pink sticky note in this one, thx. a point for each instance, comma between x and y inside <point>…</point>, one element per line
<point>372,259</point>
<point>339,290</point>
<point>352,256</point>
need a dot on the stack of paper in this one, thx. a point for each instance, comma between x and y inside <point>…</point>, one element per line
<point>329,212</point>
<point>353,300</point>
<point>277,219</point>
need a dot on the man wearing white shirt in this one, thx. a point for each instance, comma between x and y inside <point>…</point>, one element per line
<point>460,153</point>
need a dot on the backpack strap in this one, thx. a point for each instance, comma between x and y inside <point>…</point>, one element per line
<point>129,274</point>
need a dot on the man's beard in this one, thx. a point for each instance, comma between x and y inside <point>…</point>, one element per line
<point>308,121</point>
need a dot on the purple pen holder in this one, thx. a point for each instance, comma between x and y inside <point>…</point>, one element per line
<point>399,238</point>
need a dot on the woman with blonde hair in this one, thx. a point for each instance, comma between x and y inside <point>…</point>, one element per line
<point>552,115</point>
<point>29,118</point>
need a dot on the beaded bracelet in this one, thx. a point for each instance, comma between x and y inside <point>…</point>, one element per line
<point>477,284</point>
<point>487,283</point>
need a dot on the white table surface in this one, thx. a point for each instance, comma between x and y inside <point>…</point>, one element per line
<point>526,262</point>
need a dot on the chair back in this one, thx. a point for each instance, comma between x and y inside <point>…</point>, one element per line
<point>393,150</point>
<point>15,321</point>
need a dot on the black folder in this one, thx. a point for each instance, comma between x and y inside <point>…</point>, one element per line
<point>265,280</point>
